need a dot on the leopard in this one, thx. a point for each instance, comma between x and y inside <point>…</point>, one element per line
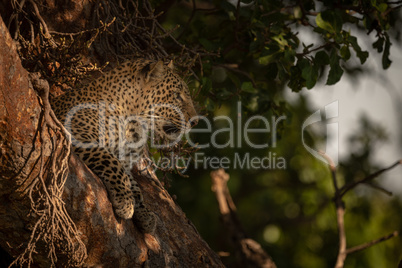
<point>112,120</point>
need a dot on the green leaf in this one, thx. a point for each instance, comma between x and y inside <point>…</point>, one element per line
<point>345,53</point>
<point>281,40</point>
<point>379,44</point>
<point>248,87</point>
<point>386,62</point>
<point>330,21</point>
<point>289,56</point>
<point>296,82</point>
<point>321,58</point>
<point>362,55</point>
<point>382,7</point>
<point>336,72</point>
<point>297,12</point>
<point>209,104</point>
<point>323,24</point>
<point>309,72</point>
<point>272,71</point>
<point>206,85</point>
<point>310,75</point>
<point>265,60</point>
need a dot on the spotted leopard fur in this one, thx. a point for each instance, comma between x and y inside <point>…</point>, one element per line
<point>110,120</point>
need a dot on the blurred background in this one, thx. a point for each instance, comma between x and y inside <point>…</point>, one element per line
<point>290,211</point>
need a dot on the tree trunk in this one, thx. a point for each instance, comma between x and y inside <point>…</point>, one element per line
<point>108,241</point>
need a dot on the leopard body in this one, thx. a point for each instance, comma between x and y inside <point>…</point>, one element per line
<point>111,119</point>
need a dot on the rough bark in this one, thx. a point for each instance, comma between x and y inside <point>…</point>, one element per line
<point>109,241</point>
<point>19,145</point>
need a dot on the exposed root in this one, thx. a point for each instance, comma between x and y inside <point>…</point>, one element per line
<point>54,230</point>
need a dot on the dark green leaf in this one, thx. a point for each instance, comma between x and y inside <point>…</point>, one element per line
<point>272,71</point>
<point>345,53</point>
<point>209,104</point>
<point>289,56</point>
<point>265,60</point>
<point>362,55</point>
<point>386,62</point>
<point>330,20</point>
<point>296,82</point>
<point>321,58</point>
<point>309,72</point>
<point>336,72</point>
<point>379,44</point>
<point>382,7</point>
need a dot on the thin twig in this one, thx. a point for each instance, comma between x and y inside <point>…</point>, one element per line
<point>42,21</point>
<point>379,188</point>
<point>371,243</point>
<point>340,213</point>
<point>101,28</point>
<point>351,185</point>
<point>391,9</point>
<point>307,52</point>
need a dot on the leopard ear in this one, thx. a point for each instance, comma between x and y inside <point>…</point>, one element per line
<point>170,65</point>
<point>153,70</point>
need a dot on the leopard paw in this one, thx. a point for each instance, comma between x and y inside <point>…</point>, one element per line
<point>124,204</point>
<point>145,220</point>
<point>126,211</point>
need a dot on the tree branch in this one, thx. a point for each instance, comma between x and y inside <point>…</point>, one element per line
<point>371,243</point>
<point>351,185</point>
<point>248,251</point>
<point>340,212</point>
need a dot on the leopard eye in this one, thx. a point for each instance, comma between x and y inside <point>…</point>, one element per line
<point>178,96</point>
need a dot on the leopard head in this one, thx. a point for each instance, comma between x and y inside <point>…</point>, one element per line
<point>166,102</point>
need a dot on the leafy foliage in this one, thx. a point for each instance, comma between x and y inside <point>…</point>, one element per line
<point>260,41</point>
<point>258,48</point>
